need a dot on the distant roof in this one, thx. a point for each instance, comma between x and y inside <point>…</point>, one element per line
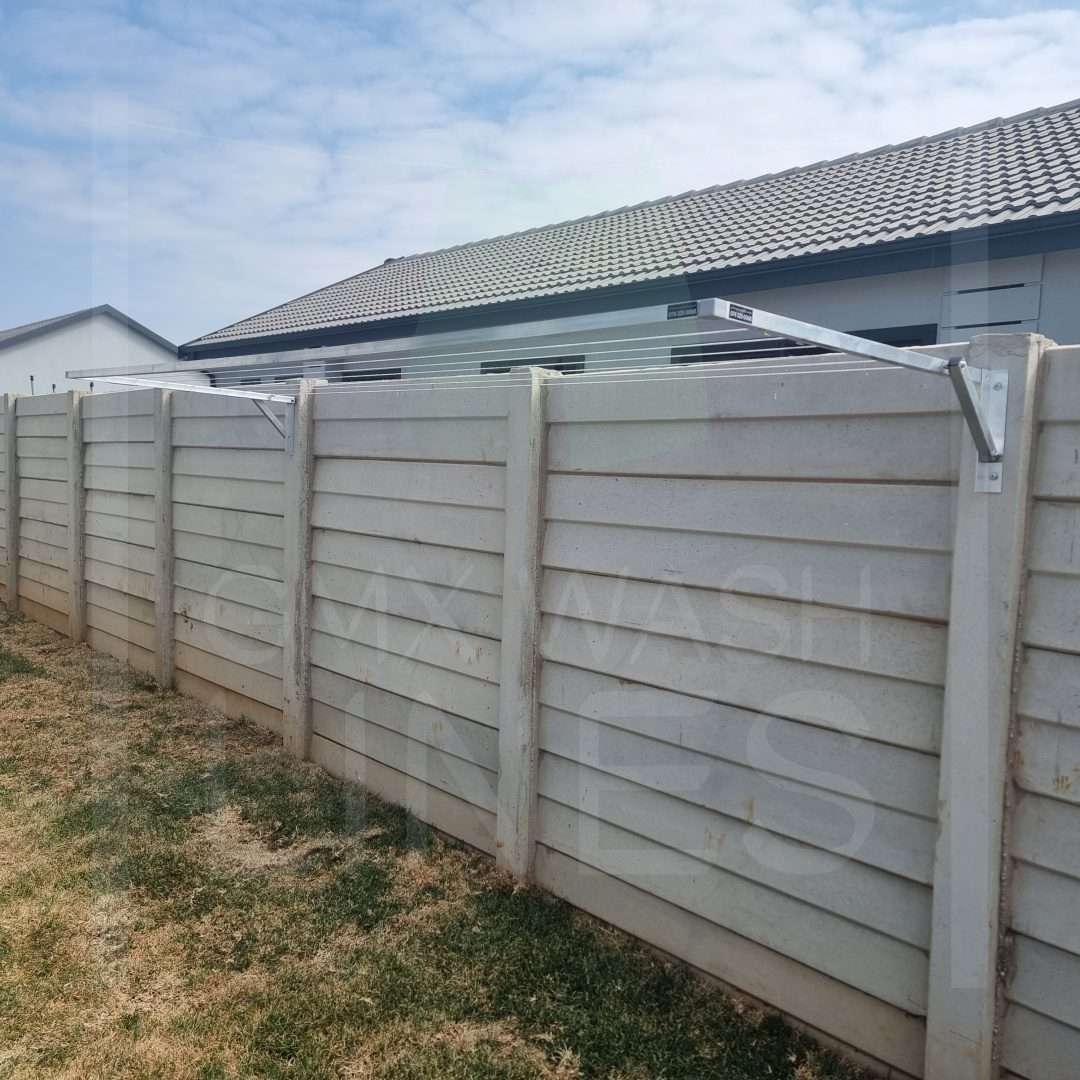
<point>18,334</point>
<point>1003,170</point>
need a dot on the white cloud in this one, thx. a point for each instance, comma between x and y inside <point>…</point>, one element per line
<point>221,158</point>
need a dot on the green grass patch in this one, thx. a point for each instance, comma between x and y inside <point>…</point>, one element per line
<point>11,663</point>
<point>199,905</point>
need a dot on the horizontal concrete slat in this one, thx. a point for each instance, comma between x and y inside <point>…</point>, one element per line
<point>130,630</point>
<point>433,564</point>
<point>120,455</point>
<point>41,447</point>
<point>229,524</point>
<point>265,465</point>
<point>124,604</point>
<point>254,496</point>
<point>120,403</point>
<point>1046,832</point>
<point>1044,906</point>
<point>461,609</point>
<point>1052,612</point>
<point>43,531</point>
<point>223,672</point>
<point>48,554</point>
<point>439,646</point>
<point>412,403</point>
<point>478,440</point>
<point>120,553</point>
<point>890,1034</point>
<point>258,592</point>
<point>35,468</point>
<point>887,710</point>
<point>117,429</point>
<point>454,775</point>
<point>120,578</point>
<point>919,517</point>
<point>464,527</point>
<point>54,513</point>
<point>112,478</point>
<point>214,639</point>
<point>52,425</point>
<point>1057,467</point>
<point>1039,1048</point>
<point>53,491</point>
<point>886,775</point>
<point>832,820</point>
<point>912,583</point>
<point>54,577</point>
<point>257,559</point>
<point>215,611</point>
<point>453,816</point>
<point>1047,759</point>
<point>882,967</point>
<point>1050,686</point>
<point>899,648</point>
<point>1047,980</point>
<point>1055,538</point>
<point>419,722</point>
<point>450,691</point>
<point>419,481</point>
<point>682,395</point>
<point>819,448</point>
<point>120,504</point>
<point>124,529</point>
<point>853,890</point>
<point>46,595</point>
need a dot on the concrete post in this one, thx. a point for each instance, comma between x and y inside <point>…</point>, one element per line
<point>987,578</point>
<point>11,460</point>
<point>299,481</point>
<point>76,518</point>
<point>163,540</point>
<point>515,833</point>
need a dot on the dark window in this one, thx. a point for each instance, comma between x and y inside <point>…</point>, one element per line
<point>369,374</point>
<point>568,365</point>
<point>902,337</point>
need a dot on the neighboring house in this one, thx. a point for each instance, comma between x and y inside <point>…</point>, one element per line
<point>971,231</point>
<point>34,357</point>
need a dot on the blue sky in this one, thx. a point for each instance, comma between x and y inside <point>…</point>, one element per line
<point>192,163</point>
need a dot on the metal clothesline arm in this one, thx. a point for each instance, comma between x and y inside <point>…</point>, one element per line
<point>980,393</point>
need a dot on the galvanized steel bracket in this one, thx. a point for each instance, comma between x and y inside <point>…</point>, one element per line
<point>983,395</point>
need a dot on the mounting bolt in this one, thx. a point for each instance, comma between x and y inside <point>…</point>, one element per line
<point>994,475</point>
<point>997,386</point>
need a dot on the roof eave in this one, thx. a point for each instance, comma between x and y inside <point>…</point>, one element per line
<point>1051,232</point>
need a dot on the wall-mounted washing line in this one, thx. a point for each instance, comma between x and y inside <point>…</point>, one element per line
<point>982,394</point>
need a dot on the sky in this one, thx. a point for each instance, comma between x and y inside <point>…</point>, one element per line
<point>194,163</point>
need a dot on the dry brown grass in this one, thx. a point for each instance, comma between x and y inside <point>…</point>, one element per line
<point>179,900</point>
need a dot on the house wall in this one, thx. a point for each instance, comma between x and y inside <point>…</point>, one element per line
<point>99,341</point>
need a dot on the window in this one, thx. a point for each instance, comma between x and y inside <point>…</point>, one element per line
<point>568,365</point>
<point>369,374</point>
<point>903,337</point>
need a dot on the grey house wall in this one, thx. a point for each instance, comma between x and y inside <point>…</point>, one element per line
<point>703,653</point>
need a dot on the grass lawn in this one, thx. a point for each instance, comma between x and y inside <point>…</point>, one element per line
<point>178,899</point>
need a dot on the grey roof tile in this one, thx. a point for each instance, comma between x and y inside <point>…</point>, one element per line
<point>1003,170</point>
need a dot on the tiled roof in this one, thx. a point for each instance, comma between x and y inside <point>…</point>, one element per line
<point>1004,170</point>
